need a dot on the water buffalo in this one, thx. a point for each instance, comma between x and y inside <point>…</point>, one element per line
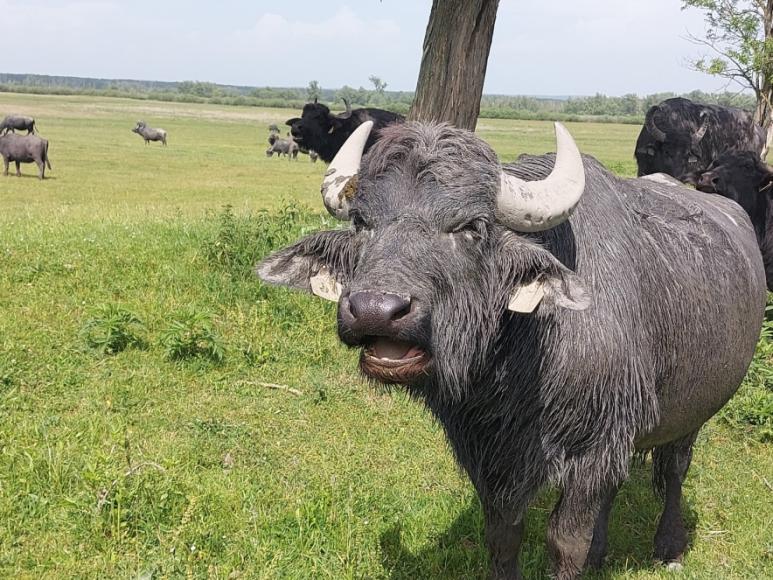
<point>680,137</point>
<point>320,130</point>
<point>553,317</point>
<point>24,149</point>
<point>744,178</point>
<point>281,147</point>
<point>150,134</point>
<point>13,123</point>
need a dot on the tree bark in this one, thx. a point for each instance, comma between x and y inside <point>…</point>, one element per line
<point>763,115</point>
<point>453,63</point>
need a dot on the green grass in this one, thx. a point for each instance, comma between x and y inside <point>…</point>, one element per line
<point>133,463</point>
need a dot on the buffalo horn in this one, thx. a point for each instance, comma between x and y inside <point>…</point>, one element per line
<point>532,206</point>
<point>340,182</point>
<point>701,132</point>
<point>652,128</point>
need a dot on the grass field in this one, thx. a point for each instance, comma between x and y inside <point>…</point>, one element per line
<point>139,438</point>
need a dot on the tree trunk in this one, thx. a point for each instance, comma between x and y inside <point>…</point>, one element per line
<point>453,63</point>
<point>763,115</point>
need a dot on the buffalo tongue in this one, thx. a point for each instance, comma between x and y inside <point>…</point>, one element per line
<point>391,349</point>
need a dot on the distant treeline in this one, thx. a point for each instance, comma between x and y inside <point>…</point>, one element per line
<point>625,109</point>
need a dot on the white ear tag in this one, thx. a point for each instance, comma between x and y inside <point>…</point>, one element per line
<point>324,285</point>
<point>525,299</point>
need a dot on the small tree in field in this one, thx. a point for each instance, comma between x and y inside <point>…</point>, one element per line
<point>313,91</point>
<point>740,34</point>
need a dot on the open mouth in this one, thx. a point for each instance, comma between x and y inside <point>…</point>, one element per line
<point>394,361</point>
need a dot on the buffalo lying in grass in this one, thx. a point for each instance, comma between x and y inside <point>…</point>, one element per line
<point>556,319</point>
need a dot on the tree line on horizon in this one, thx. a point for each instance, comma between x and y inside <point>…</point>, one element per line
<point>628,108</point>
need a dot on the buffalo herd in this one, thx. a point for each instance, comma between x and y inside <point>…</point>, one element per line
<point>553,317</point>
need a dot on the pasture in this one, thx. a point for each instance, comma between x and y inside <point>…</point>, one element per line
<point>164,415</point>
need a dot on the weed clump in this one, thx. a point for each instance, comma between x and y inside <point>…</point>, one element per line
<point>192,334</point>
<point>112,329</point>
<point>239,242</point>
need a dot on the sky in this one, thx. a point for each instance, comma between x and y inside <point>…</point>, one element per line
<point>558,47</point>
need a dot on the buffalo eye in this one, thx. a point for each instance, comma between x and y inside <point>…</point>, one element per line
<point>473,229</point>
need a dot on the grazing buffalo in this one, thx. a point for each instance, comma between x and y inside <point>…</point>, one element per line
<point>745,179</point>
<point>150,134</point>
<point>680,137</point>
<point>13,123</point>
<point>554,318</point>
<point>281,147</point>
<point>325,133</point>
<point>24,149</point>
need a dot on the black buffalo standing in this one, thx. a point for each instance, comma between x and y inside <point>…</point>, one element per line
<point>550,348</point>
<point>745,179</point>
<point>15,123</point>
<point>324,132</point>
<point>680,137</point>
<point>24,149</point>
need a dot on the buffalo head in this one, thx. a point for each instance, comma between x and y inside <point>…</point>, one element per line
<point>433,258</point>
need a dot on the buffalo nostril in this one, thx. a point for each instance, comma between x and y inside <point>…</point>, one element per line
<point>378,306</point>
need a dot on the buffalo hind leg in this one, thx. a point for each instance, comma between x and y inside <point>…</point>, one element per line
<point>670,465</point>
<point>41,169</point>
<point>18,168</point>
<point>598,546</point>
<point>504,532</point>
<point>570,528</point>
<point>6,162</point>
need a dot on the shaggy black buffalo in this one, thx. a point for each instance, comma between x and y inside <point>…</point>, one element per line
<point>150,134</point>
<point>554,318</point>
<point>745,179</point>
<point>325,133</point>
<point>15,123</point>
<point>680,137</point>
<point>24,149</point>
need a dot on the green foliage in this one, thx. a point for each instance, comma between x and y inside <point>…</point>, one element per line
<point>752,407</point>
<point>313,91</point>
<point>112,328</point>
<point>191,334</point>
<point>240,241</point>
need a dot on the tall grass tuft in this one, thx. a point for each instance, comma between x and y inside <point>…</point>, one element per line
<point>192,334</point>
<point>112,328</point>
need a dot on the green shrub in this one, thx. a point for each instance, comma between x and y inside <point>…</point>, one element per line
<point>111,329</point>
<point>192,334</point>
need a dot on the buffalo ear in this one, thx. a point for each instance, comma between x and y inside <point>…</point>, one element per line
<point>550,281</point>
<point>320,263</point>
<point>292,121</point>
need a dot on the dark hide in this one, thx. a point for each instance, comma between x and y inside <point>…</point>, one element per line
<point>15,123</point>
<point>149,134</point>
<point>670,140</point>
<point>24,149</point>
<point>325,133</point>
<point>640,283</point>
<point>748,181</point>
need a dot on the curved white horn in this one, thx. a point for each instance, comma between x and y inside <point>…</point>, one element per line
<point>340,181</point>
<point>533,206</point>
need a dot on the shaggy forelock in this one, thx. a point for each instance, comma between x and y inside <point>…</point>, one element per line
<point>454,158</point>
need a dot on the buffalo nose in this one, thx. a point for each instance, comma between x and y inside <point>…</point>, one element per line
<point>378,307</point>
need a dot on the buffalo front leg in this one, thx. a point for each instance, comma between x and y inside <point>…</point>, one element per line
<point>504,532</point>
<point>6,162</point>
<point>598,545</point>
<point>570,528</point>
<point>670,465</point>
